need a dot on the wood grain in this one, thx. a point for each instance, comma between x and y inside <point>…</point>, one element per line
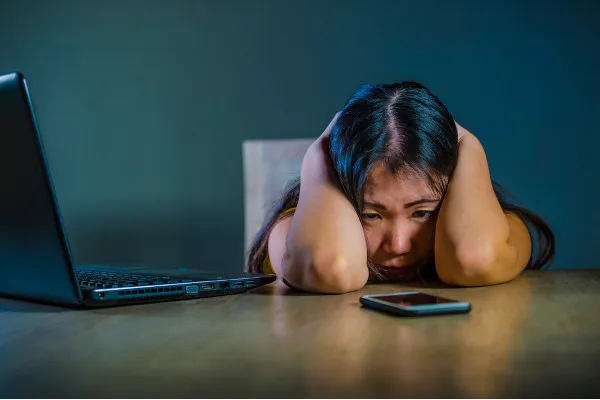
<point>536,336</point>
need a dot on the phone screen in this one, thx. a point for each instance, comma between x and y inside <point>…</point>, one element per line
<point>414,299</point>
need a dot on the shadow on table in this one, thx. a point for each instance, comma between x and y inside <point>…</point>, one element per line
<point>279,288</point>
<point>10,305</point>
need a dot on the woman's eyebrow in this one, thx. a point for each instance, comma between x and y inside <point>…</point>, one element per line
<point>375,205</point>
<point>381,207</point>
<point>420,201</point>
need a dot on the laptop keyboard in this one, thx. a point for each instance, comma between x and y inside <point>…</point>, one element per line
<point>111,279</point>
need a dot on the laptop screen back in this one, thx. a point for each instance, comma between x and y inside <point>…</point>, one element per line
<point>34,256</point>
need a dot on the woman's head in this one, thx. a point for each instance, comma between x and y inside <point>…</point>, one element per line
<point>394,148</point>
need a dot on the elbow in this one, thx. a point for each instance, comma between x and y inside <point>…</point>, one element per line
<point>326,273</point>
<point>335,274</point>
<point>477,261</point>
<point>475,265</point>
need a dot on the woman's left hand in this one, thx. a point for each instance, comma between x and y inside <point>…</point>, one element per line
<point>462,132</point>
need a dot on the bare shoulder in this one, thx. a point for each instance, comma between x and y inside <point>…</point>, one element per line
<point>277,240</point>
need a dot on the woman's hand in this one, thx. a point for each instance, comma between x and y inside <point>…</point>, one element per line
<point>462,132</point>
<point>317,156</point>
<point>321,145</point>
<point>327,130</point>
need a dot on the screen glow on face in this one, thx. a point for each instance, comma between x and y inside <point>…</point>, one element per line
<point>414,299</point>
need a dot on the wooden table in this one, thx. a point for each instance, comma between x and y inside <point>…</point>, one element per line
<point>536,336</point>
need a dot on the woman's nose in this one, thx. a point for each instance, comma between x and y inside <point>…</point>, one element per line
<point>398,243</point>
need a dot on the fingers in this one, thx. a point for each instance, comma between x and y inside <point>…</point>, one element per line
<point>327,130</point>
<point>462,132</point>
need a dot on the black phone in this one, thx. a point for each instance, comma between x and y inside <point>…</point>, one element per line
<point>414,304</point>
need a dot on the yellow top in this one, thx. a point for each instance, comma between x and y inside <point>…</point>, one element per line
<point>267,267</point>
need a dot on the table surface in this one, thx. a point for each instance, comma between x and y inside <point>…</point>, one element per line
<point>536,336</point>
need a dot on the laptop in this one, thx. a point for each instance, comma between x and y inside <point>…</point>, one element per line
<point>35,258</point>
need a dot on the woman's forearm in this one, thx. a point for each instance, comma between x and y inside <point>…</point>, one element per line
<point>325,245</point>
<point>472,231</point>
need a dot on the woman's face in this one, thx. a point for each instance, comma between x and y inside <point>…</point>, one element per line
<point>398,219</point>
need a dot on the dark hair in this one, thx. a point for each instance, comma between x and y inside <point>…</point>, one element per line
<point>409,129</point>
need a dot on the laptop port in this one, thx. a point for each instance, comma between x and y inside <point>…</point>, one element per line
<point>191,289</point>
<point>208,286</point>
<point>224,285</point>
<point>250,283</point>
<point>236,284</point>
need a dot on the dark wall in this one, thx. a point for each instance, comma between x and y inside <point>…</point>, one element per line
<point>143,105</point>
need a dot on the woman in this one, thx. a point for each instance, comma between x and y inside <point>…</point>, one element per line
<point>393,190</point>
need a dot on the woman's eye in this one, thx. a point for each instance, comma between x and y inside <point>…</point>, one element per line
<point>423,214</point>
<point>369,216</point>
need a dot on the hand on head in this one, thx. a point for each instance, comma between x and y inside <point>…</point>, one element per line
<point>327,130</point>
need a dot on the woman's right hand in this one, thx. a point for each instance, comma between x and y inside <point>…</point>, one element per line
<point>327,130</point>
<point>317,160</point>
<point>321,144</point>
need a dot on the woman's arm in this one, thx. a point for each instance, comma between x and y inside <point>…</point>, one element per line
<point>476,243</point>
<point>323,249</point>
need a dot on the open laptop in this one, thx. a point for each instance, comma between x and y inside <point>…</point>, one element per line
<point>35,259</point>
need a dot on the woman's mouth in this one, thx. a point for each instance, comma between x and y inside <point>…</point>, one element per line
<point>403,266</point>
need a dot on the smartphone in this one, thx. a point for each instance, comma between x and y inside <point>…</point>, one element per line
<point>414,304</point>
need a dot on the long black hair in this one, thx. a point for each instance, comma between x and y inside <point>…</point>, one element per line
<point>408,128</point>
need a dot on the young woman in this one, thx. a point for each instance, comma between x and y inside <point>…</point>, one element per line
<point>394,189</point>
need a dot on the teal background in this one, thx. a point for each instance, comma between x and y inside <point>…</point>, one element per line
<point>143,105</point>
